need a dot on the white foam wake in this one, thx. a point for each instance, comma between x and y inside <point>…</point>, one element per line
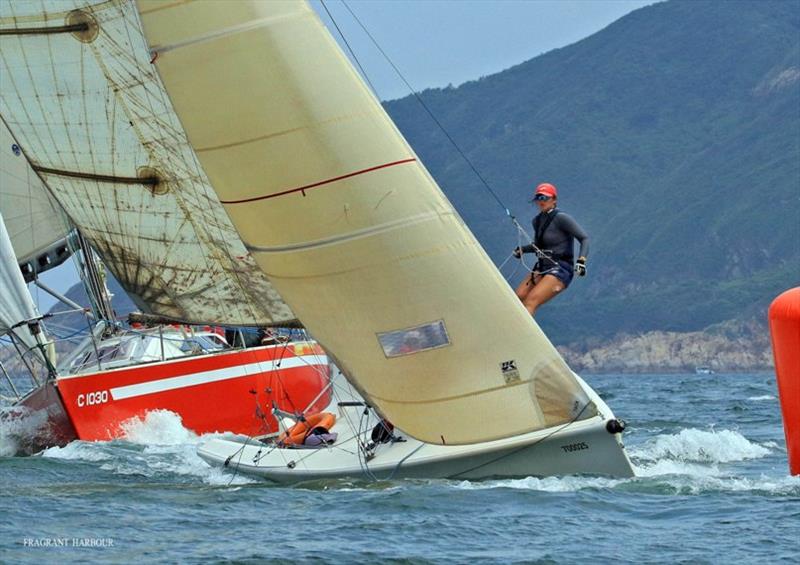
<point>159,427</point>
<point>156,446</point>
<point>545,484</point>
<point>699,446</point>
<point>687,462</point>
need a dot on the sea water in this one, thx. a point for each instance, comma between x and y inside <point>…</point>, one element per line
<point>712,487</point>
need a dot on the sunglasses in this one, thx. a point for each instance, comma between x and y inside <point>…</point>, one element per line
<point>542,198</point>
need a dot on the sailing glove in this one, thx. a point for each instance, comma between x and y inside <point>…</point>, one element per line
<point>580,266</point>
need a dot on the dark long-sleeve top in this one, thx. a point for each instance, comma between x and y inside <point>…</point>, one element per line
<point>558,238</point>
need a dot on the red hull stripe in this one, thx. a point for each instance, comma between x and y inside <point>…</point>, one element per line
<point>320,183</point>
<point>235,372</point>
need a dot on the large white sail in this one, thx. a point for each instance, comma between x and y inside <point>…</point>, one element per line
<point>350,227</point>
<point>87,109</point>
<point>33,222</point>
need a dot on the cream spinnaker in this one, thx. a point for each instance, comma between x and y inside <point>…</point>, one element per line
<point>351,229</point>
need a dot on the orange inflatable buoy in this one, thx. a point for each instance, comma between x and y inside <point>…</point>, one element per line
<point>296,435</point>
<point>784,326</point>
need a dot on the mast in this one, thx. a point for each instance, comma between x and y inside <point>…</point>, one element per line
<point>93,277</point>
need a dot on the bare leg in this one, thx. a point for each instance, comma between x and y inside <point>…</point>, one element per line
<point>525,286</point>
<point>546,288</point>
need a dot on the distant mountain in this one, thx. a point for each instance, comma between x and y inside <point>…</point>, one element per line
<point>65,324</point>
<point>673,136</point>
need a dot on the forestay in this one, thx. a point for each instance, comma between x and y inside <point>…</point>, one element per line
<point>86,106</point>
<point>350,227</point>
<point>33,222</point>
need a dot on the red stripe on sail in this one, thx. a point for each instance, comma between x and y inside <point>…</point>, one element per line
<point>320,183</point>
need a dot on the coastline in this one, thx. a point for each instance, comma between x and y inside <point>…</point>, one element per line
<point>745,348</point>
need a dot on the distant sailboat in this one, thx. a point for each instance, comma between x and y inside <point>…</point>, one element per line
<point>355,235</point>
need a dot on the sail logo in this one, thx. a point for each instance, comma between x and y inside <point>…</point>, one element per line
<point>510,371</point>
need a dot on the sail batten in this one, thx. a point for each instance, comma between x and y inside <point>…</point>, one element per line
<point>90,113</point>
<point>146,181</point>
<point>377,264</point>
<point>72,28</point>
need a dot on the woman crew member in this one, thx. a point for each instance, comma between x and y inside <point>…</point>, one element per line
<point>554,235</point>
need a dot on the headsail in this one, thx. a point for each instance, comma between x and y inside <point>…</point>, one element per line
<point>351,228</point>
<point>89,112</point>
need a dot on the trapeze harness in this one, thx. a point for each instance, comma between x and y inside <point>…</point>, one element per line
<point>556,256</point>
<point>548,260</point>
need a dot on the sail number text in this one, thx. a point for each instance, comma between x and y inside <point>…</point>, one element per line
<point>575,446</point>
<point>92,398</point>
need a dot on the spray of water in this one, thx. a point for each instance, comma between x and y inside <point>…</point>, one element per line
<point>18,424</point>
<point>157,445</point>
<point>691,461</point>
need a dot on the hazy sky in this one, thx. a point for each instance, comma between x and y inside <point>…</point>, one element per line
<point>439,42</point>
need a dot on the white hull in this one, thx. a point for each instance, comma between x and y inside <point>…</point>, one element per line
<point>583,447</point>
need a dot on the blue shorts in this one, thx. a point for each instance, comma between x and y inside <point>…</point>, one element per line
<point>564,271</point>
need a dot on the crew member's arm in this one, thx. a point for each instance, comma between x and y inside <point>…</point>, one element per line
<point>518,251</point>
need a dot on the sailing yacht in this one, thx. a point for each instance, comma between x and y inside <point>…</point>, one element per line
<point>366,447</point>
<point>73,120</point>
<point>354,233</point>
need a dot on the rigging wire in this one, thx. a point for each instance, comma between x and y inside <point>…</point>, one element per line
<point>424,106</point>
<point>350,49</point>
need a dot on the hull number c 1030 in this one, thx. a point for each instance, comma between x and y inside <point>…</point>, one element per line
<point>92,398</point>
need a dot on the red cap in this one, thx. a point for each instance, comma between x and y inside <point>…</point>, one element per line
<point>547,189</point>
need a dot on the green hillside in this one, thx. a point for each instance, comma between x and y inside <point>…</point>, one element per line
<point>673,136</point>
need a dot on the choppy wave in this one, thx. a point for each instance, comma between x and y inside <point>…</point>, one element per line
<point>702,446</point>
<point>690,461</point>
<point>687,461</point>
<point>156,446</point>
<point>16,424</point>
<point>545,484</point>
<point>664,479</point>
<point>711,466</point>
<point>694,461</point>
